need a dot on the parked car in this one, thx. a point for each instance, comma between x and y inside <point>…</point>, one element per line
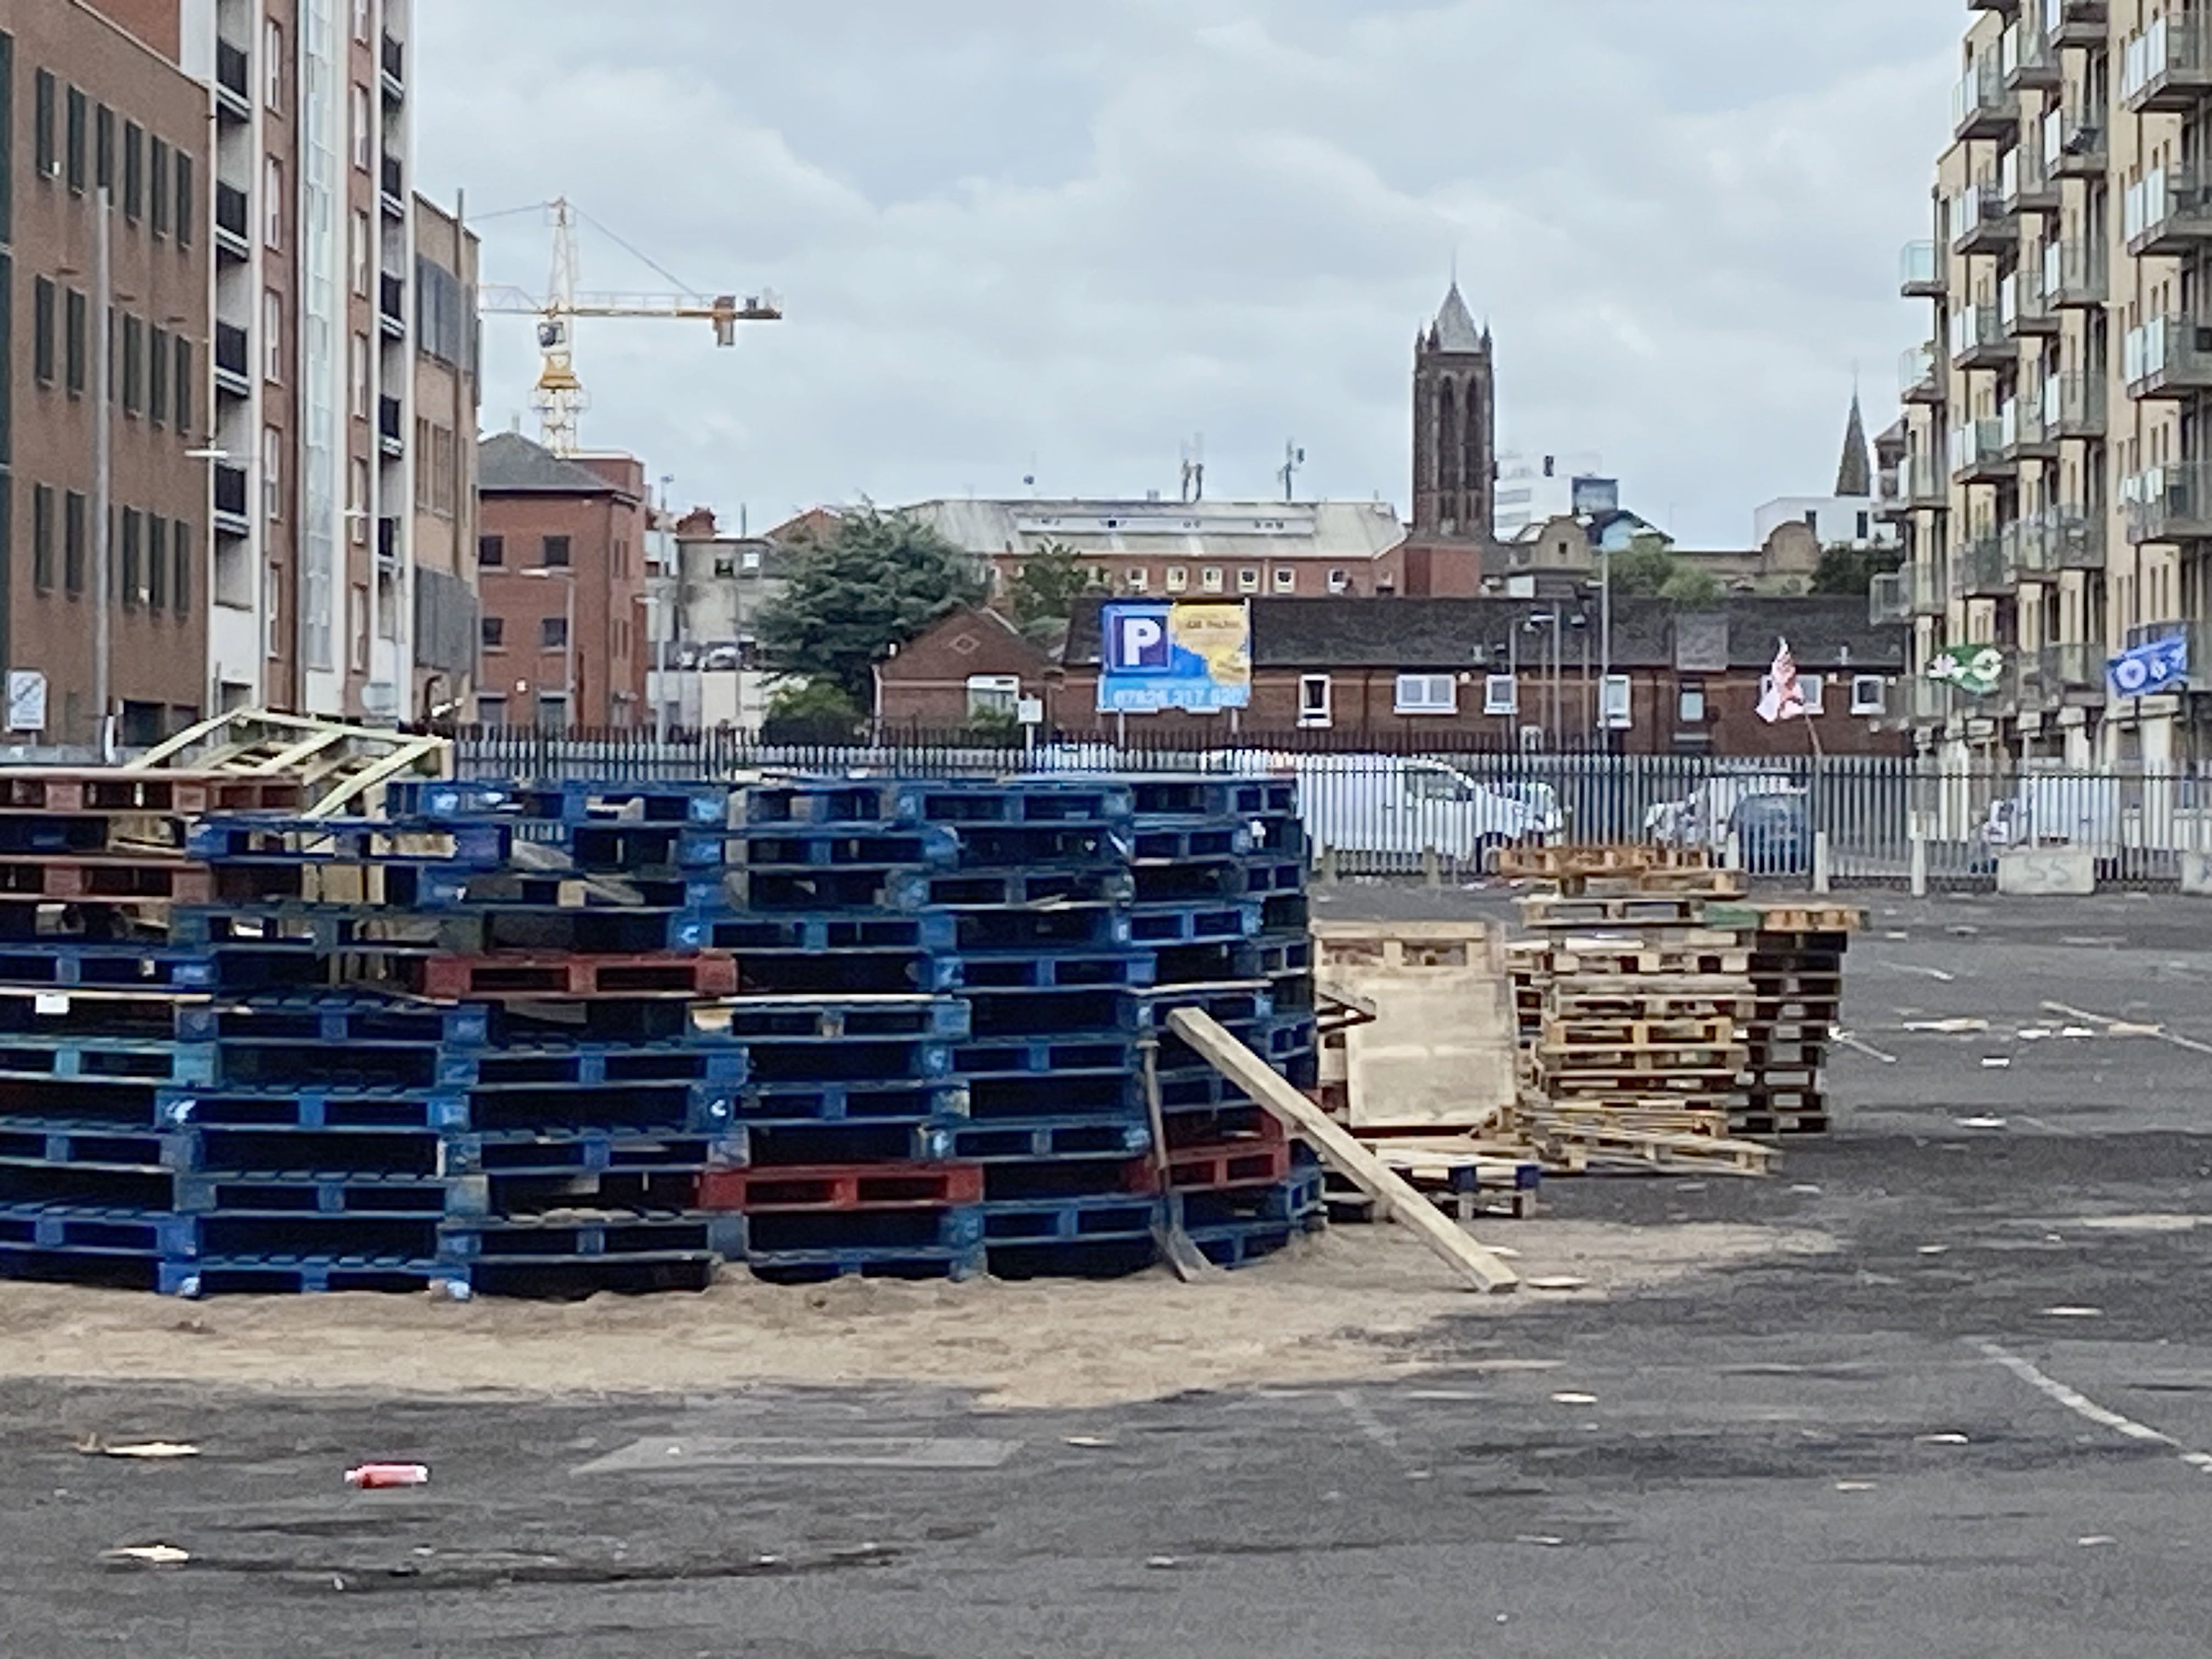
<point>1773,834</point>
<point>1702,819</point>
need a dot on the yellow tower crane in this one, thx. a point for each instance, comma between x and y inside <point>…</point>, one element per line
<point>561,398</point>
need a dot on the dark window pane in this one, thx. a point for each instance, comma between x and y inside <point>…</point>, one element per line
<point>73,543</point>
<point>557,552</point>
<point>42,331</point>
<point>74,344</point>
<point>185,215</point>
<point>103,148</point>
<point>182,384</point>
<point>134,170</point>
<point>553,633</point>
<point>42,538</point>
<point>47,155</point>
<point>491,549</point>
<point>180,556</point>
<point>157,562</point>
<point>79,111</point>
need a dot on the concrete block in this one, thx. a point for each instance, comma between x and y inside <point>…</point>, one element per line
<point>2197,874</point>
<point>2047,872</point>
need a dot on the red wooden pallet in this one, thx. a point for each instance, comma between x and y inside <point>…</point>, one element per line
<point>1225,1168</point>
<point>59,880</point>
<point>58,789</point>
<point>520,974</point>
<point>873,1187</point>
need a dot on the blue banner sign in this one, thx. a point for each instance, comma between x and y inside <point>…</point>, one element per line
<point>2151,669</point>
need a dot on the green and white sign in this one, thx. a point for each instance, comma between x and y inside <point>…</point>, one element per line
<point>1974,669</point>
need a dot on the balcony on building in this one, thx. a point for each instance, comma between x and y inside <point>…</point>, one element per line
<point>2168,212</point>
<point>2074,406</point>
<point>2075,143</point>
<point>1888,602</point>
<point>2024,310</point>
<point>2171,503</point>
<point>2166,68</point>
<point>1980,107</point>
<point>2024,181</point>
<point>2071,672</point>
<point>2168,356</point>
<point>2026,57</point>
<point>1926,587</point>
<point>2026,551</point>
<point>1890,505</point>
<point>1978,455</point>
<point>231,518</point>
<point>233,81</point>
<point>392,305</point>
<point>1923,272</point>
<point>1978,569</point>
<point>233,360</point>
<point>2075,275</point>
<point>2075,22</point>
<point>393,59</point>
<point>1927,485</point>
<point>1980,222</point>
<point>234,222</point>
<point>1920,376</point>
<point>1979,339</point>
<point>393,192</point>
<point>2023,434</point>
<point>391,429</point>
<point>2073,537</point>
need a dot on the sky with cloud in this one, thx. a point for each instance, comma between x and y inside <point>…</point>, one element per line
<point>1019,239</point>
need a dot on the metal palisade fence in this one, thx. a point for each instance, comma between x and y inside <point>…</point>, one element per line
<point>1439,810</point>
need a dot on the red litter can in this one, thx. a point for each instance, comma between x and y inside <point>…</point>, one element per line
<point>375,1477</point>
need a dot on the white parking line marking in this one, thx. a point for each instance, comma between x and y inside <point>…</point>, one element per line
<point>2082,1405</point>
<point>1914,968</point>
<point>2109,1021</point>
<point>1844,1039</point>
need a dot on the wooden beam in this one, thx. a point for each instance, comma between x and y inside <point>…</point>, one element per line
<point>1377,1180</point>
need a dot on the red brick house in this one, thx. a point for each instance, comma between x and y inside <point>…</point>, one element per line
<point>973,662</point>
<point>1523,673</point>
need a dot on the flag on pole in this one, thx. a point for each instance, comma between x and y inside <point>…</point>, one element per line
<point>1783,698</point>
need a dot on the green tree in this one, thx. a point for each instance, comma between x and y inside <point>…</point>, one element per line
<point>809,711</point>
<point>1044,592</point>
<point>1850,571</point>
<point>877,581</point>
<point>1645,566</point>
<point>1688,587</point>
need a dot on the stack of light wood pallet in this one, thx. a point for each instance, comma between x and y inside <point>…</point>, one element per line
<point>1635,1002</point>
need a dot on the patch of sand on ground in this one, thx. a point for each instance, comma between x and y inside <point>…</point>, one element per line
<point>1351,1303</point>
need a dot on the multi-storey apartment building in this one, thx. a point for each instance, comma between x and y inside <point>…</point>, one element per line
<point>446,399</point>
<point>2053,473</point>
<point>103,314</point>
<point>315,358</point>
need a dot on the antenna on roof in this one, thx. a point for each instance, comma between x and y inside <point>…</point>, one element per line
<point>1293,459</point>
<point>1193,469</point>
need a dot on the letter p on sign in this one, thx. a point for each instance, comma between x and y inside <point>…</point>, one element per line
<point>1143,643</point>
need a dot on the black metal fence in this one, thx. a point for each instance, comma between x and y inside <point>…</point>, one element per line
<point>1443,808</point>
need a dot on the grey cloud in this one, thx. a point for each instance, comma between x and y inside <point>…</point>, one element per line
<point>1007,231</point>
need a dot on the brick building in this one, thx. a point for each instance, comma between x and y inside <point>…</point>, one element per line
<point>446,401</point>
<point>561,563</point>
<point>975,663</point>
<point>1528,674</point>
<point>93,103</point>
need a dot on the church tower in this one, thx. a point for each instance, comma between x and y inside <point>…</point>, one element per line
<point>1454,427</point>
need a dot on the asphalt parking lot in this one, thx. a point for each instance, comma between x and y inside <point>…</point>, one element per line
<point>1977,1421</point>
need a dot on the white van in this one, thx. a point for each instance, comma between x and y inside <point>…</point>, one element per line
<point>1396,811</point>
<point>2055,811</point>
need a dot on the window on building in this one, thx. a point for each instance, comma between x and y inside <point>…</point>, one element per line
<point>1314,699</point>
<point>491,711</point>
<point>272,64</point>
<point>364,141</point>
<point>357,513</point>
<point>272,204</point>
<point>1178,578</point>
<point>181,382</point>
<point>1338,582</point>
<point>1210,579</point>
<point>1618,694</point>
<point>1690,702</point>
<point>134,529</point>
<point>1866,526</point>
<point>1427,694</point>
<point>1869,693</point>
<point>1137,579</point>
<point>272,474</point>
<point>1501,694</point>
<point>553,633</point>
<point>157,563</point>
<point>181,567</point>
<point>74,541</point>
<point>491,552</point>
<point>553,711</point>
<point>1286,581</point>
<point>994,695</point>
<point>45,151</point>
<point>357,628</point>
<point>76,116</point>
<point>1247,581</point>
<point>186,218</point>
<point>103,148</point>
<point>1813,521</point>
<point>357,254</point>
<point>134,366</point>
<point>42,538</point>
<point>42,331</point>
<point>495,633</point>
<point>553,553</point>
<point>75,325</point>
<point>360,377</point>
<point>1815,687</point>
<point>272,610</point>
<point>157,187</point>
<point>157,376</point>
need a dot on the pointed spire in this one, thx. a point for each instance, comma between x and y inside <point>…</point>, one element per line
<point>1455,330</point>
<point>1854,478</point>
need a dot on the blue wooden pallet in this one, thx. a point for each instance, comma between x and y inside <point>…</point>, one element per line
<point>955,1262</point>
<point>246,839</point>
<point>63,962</point>
<point>1017,1056</point>
<point>756,1019</point>
<point>658,1109</point>
<point>969,889</point>
<point>778,1234</point>
<point>1301,1197</point>
<point>497,1239</point>
<point>1079,970</point>
<point>842,1144</point>
<point>281,1275</point>
<point>1053,1137</point>
<point>338,1018</point>
<point>821,931</point>
<point>1072,1258</point>
<point>952,801</point>
<point>1159,801</point>
<point>365,1196</point>
<point>852,1060</point>
<point>289,1107</point>
<point>935,1101</point>
<point>1070,1220</point>
<point>592,1153</point>
<point>1207,882</point>
<point>1234,922</point>
<point>94,1230</point>
<point>705,1059</point>
<point>702,803</point>
<point>810,847</point>
<point>92,1146</point>
<point>107,1059</point>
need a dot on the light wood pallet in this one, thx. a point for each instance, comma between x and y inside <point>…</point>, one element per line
<point>1635,910</point>
<point>1604,1147</point>
<point>1553,863</point>
<point>1564,1032</point>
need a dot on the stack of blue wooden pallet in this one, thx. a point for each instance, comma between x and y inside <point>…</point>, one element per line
<point>583,1038</point>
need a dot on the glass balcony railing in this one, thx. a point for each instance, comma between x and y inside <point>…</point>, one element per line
<point>1921,273</point>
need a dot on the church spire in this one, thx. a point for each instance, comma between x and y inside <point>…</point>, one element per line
<point>1854,478</point>
<point>1454,328</point>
